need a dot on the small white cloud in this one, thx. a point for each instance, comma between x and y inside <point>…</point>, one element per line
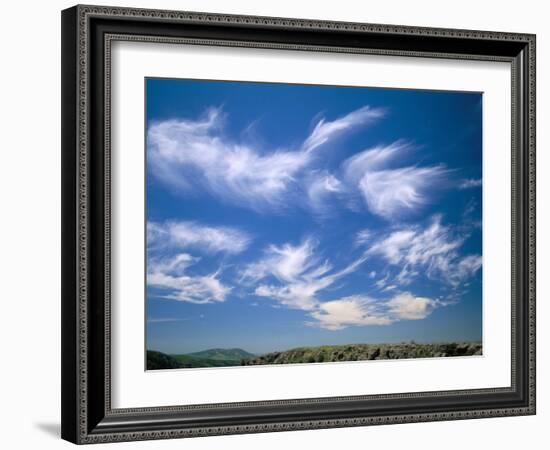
<point>466,267</point>
<point>170,276</point>
<point>363,236</point>
<point>165,319</point>
<point>408,307</point>
<point>325,130</point>
<point>319,186</point>
<point>391,192</point>
<point>348,311</point>
<point>469,183</point>
<point>381,283</point>
<point>364,311</point>
<point>187,234</point>
<point>286,262</point>
<point>391,287</point>
<point>298,295</point>
<point>373,159</point>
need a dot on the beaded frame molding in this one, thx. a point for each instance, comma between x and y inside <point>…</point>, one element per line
<point>87,35</point>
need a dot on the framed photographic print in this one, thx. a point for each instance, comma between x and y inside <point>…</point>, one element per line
<point>281,224</point>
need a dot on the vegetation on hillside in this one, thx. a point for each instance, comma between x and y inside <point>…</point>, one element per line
<point>328,353</point>
<point>235,354</point>
<point>364,352</point>
<point>158,360</point>
<point>208,358</point>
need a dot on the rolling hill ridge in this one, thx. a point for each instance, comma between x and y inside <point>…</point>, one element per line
<point>219,357</point>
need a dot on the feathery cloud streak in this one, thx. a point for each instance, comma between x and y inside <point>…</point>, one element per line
<point>169,275</point>
<point>433,250</point>
<point>188,234</point>
<point>469,183</point>
<point>168,266</point>
<point>184,153</point>
<point>326,130</point>
<point>300,275</point>
<point>391,192</point>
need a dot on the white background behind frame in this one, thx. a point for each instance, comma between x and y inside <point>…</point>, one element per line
<point>133,387</point>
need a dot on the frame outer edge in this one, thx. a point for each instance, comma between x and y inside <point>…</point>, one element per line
<point>532,143</point>
<point>69,264</point>
<point>75,219</point>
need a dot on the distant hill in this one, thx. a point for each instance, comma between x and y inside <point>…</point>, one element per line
<point>193,361</point>
<point>234,354</point>
<point>158,360</point>
<point>362,352</point>
<point>216,357</point>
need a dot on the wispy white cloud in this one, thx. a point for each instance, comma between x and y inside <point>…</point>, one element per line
<point>170,276</point>
<point>188,234</point>
<point>373,159</point>
<point>464,268</point>
<point>319,187</point>
<point>432,250</point>
<point>326,130</point>
<point>391,192</point>
<point>171,319</point>
<point>382,282</point>
<point>363,236</point>
<point>390,287</point>
<point>469,183</point>
<point>189,154</point>
<point>297,274</point>
<point>286,263</point>
<point>194,154</point>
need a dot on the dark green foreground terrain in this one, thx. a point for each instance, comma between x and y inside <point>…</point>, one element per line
<point>364,352</point>
<point>327,353</point>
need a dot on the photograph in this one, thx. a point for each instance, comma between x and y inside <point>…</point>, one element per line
<point>299,223</point>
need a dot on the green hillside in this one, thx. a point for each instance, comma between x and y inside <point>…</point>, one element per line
<point>364,352</point>
<point>192,361</point>
<point>234,354</point>
<point>216,357</point>
<point>220,357</point>
<point>158,360</point>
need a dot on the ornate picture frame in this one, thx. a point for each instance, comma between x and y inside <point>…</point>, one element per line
<point>88,33</point>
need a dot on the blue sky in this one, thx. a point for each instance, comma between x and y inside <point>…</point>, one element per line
<point>281,215</point>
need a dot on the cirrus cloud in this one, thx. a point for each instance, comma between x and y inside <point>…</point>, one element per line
<point>295,276</point>
<point>469,183</point>
<point>186,154</point>
<point>169,276</point>
<point>326,130</point>
<point>433,249</point>
<point>388,191</point>
<point>181,234</point>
